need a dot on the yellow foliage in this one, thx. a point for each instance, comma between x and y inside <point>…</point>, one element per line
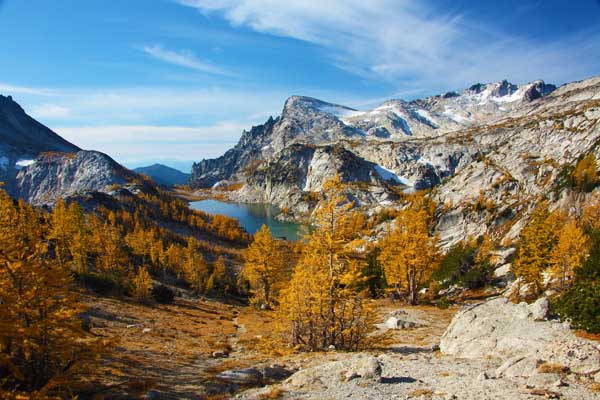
<point>322,305</point>
<point>264,268</point>
<point>585,175</point>
<point>537,240</point>
<point>142,286</point>
<point>409,253</point>
<point>569,253</point>
<point>42,344</point>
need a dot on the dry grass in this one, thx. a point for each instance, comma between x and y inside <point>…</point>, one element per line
<point>274,393</point>
<point>588,335</point>
<point>169,347</point>
<point>421,392</point>
<point>166,344</point>
<point>550,368</point>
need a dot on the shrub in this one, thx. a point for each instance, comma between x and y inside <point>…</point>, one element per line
<point>456,263</point>
<point>476,277</point>
<point>580,301</point>
<point>99,283</point>
<point>163,294</point>
<point>443,303</point>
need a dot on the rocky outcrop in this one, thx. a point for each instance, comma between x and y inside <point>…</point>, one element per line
<point>22,139</point>
<point>518,335</point>
<point>59,175</point>
<point>293,178</point>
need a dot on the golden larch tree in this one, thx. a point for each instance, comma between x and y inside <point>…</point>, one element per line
<point>42,343</point>
<point>264,268</point>
<point>538,238</point>
<point>142,286</point>
<point>569,253</point>
<point>409,253</point>
<point>322,304</point>
<point>195,268</point>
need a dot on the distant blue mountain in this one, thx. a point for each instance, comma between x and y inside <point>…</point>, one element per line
<point>163,175</point>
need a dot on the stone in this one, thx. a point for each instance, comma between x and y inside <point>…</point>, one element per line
<point>219,354</point>
<point>597,377</point>
<point>244,377</point>
<point>519,366</point>
<point>368,368</point>
<point>275,373</point>
<point>540,309</point>
<point>395,323</point>
<point>146,330</point>
<point>502,271</point>
<point>509,332</point>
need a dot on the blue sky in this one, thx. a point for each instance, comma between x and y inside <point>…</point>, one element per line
<point>175,81</point>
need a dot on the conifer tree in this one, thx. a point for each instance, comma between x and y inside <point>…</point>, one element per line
<point>569,253</point>
<point>537,240</point>
<point>42,343</point>
<point>409,254</point>
<point>323,303</point>
<point>142,286</point>
<point>585,175</point>
<point>195,268</point>
<point>264,268</point>
<point>219,280</point>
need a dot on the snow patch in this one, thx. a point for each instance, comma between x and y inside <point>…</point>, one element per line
<point>425,161</point>
<point>425,115</point>
<point>389,175</point>
<point>339,112</point>
<point>20,164</point>
<point>450,113</point>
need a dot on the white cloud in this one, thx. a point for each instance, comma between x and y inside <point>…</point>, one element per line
<point>184,59</point>
<point>135,145</point>
<point>13,89</point>
<point>411,43</point>
<point>50,111</point>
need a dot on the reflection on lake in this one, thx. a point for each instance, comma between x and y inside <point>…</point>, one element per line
<point>252,217</point>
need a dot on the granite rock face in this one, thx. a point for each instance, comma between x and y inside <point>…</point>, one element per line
<point>60,175</point>
<point>518,335</point>
<point>489,150</point>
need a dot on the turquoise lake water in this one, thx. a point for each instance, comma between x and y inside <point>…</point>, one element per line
<point>252,217</point>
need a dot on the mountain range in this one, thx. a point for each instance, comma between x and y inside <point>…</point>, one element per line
<point>497,143</point>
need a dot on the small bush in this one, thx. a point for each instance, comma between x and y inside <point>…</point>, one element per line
<point>476,277</point>
<point>580,301</point>
<point>443,303</point>
<point>99,283</point>
<point>163,294</point>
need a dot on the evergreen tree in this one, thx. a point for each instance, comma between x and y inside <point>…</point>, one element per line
<point>264,268</point>
<point>537,240</point>
<point>323,304</point>
<point>409,254</point>
<point>569,253</point>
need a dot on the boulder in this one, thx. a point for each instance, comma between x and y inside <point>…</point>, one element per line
<point>368,368</point>
<point>395,323</point>
<point>245,377</point>
<point>502,271</point>
<point>540,309</point>
<point>515,334</point>
<point>275,373</point>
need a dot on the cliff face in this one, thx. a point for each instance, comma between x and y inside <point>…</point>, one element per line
<point>59,175</point>
<point>39,166</point>
<point>503,143</point>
